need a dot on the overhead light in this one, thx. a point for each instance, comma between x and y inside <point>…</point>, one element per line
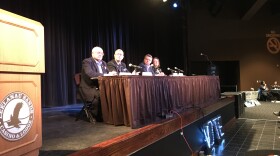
<point>175,5</point>
<point>164,0</point>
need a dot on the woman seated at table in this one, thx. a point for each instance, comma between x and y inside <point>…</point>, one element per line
<point>263,92</point>
<point>156,67</point>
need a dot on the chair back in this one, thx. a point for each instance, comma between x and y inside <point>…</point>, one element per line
<point>77,79</point>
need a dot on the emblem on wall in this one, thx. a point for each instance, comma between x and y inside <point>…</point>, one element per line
<point>273,44</point>
<point>16,116</point>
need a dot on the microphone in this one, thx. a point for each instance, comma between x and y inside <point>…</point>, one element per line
<point>132,65</point>
<point>207,58</point>
<point>172,70</point>
<point>178,69</point>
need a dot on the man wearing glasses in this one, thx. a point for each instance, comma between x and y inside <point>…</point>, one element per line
<point>116,65</point>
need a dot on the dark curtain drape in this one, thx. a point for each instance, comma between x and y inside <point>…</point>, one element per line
<point>73,27</point>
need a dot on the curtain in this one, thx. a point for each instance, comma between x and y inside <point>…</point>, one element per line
<point>73,27</point>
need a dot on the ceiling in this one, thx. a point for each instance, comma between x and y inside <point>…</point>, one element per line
<point>246,8</point>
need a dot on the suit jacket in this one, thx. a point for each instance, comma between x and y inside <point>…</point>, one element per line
<point>113,66</point>
<point>89,86</point>
<point>145,69</point>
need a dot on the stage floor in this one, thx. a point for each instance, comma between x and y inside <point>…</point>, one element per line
<point>62,135</point>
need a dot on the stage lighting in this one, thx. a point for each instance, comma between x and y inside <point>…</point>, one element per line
<point>175,5</point>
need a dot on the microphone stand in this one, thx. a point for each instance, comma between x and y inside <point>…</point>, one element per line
<point>207,58</point>
<point>212,69</point>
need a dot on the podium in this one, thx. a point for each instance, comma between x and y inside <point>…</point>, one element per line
<point>21,65</point>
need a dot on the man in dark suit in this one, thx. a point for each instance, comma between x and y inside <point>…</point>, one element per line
<point>146,64</point>
<point>116,65</point>
<point>93,67</point>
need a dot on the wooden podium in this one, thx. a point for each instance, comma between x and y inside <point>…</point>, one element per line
<point>21,65</point>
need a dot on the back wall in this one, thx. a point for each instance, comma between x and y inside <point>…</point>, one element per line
<point>225,36</point>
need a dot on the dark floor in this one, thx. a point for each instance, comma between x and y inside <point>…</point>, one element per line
<point>255,133</point>
<point>251,137</point>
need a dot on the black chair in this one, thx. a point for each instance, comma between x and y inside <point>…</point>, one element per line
<point>87,106</point>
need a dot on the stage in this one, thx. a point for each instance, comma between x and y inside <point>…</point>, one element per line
<point>62,135</point>
<point>174,109</point>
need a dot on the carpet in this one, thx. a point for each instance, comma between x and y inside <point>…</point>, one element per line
<point>263,111</point>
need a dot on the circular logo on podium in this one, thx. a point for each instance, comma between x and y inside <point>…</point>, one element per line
<point>16,116</point>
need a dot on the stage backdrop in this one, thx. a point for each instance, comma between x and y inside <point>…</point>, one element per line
<point>73,28</point>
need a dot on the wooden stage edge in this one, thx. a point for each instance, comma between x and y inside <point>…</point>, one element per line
<point>142,137</point>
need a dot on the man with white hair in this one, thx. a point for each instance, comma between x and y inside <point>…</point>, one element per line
<point>93,67</point>
<point>116,65</point>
